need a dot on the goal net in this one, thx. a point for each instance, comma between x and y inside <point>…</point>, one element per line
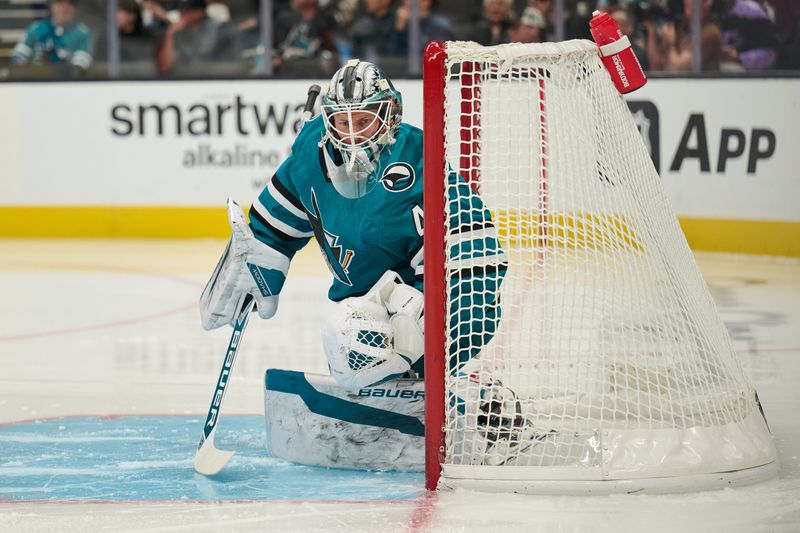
<point>608,368</point>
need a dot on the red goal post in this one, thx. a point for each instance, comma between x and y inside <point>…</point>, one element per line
<point>620,366</point>
<point>434,76</point>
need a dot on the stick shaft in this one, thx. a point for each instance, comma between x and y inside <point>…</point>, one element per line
<point>227,368</point>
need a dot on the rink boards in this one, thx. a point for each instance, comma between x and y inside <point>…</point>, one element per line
<point>158,159</point>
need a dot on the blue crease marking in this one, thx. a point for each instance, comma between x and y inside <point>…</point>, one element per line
<point>150,458</point>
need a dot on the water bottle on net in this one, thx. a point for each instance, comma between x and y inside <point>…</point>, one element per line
<point>616,53</point>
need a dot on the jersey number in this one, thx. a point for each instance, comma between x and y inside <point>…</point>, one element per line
<point>419,219</point>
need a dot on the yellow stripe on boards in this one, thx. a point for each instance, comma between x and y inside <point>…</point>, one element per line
<point>756,237</point>
<point>114,222</point>
<point>576,231</point>
<point>720,235</point>
<point>617,232</point>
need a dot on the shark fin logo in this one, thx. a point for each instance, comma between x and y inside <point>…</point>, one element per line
<point>398,177</point>
<point>336,256</point>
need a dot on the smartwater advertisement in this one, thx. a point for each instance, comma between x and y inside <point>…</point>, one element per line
<point>723,148</point>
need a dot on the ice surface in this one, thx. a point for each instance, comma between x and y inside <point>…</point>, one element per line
<point>149,458</point>
<point>108,333</point>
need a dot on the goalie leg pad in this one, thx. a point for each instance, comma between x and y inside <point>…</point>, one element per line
<point>312,420</point>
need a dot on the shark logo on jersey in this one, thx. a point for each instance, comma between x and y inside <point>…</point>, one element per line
<point>398,177</point>
<point>336,256</point>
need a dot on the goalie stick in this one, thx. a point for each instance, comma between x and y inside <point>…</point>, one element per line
<point>208,459</point>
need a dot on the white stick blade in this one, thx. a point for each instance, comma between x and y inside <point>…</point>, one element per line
<point>209,460</point>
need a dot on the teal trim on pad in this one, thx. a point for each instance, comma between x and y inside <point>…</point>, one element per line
<point>293,382</point>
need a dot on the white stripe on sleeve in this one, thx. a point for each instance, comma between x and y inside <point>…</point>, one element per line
<point>282,226</point>
<point>482,261</point>
<point>286,204</point>
<point>473,235</point>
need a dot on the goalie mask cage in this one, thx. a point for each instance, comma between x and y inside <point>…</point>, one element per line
<point>620,373</point>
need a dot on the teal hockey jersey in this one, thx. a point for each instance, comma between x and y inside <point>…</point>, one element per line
<point>362,238</point>
<point>46,42</point>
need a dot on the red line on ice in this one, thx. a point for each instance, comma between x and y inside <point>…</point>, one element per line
<point>105,325</point>
<point>116,323</point>
<point>424,508</point>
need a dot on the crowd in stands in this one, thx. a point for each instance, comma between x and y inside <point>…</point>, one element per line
<point>178,38</point>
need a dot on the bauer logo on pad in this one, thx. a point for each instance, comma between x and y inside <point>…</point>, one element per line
<point>398,177</point>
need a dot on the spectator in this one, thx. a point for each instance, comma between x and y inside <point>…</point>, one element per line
<point>577,14</point>
<point>369,32</point>
<point>787,22</point>
<point>713,58</point>
<point>249,28</point>
<point>305,32</point>
<point>620,16</point>
<point>219,11</point>
<point>669,44</point>
<point>136,43</point>
<point>344,11</point>
<point>156,18</point>
<point>60,41</point>
<point>196,43</point>
<point>432,27</point>
<point>576,19</point>
<point>496,24</point>
<point>545,9</point>
<point>786,16</point>
<point>748,35</point>
<point>530,28</point>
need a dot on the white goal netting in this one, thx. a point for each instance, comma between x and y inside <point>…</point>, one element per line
<point>609,360</point>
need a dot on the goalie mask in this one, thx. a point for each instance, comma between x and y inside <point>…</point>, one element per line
<point>362,112</point>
